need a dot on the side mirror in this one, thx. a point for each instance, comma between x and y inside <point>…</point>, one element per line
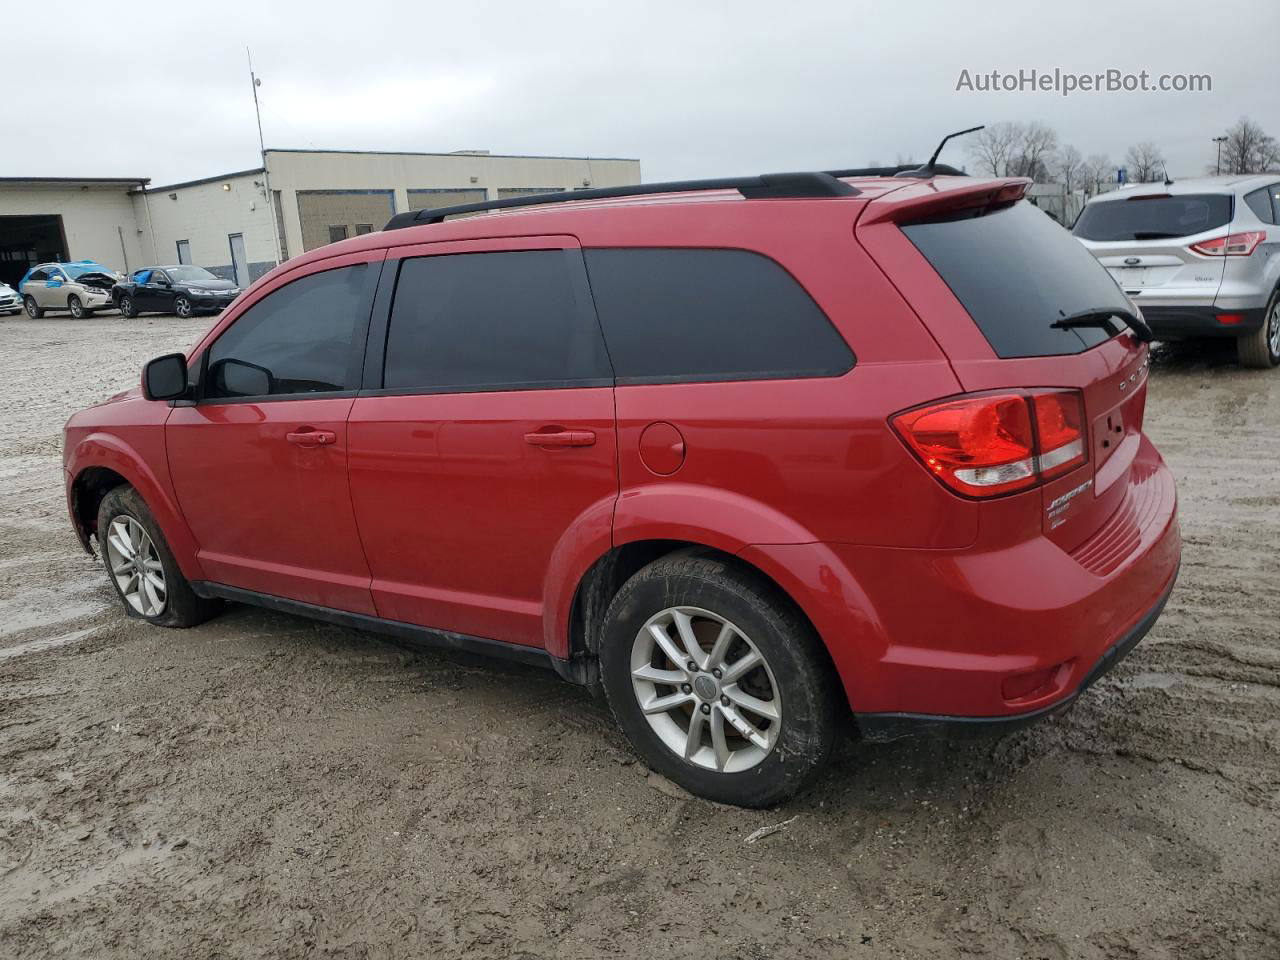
<point>239,378</point>
<point>162,282</point>
<point>165,378</point>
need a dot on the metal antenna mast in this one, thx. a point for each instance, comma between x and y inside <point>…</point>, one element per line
<point>262,150</point>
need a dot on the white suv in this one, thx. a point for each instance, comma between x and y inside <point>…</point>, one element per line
<point>1200,257</point>
<point>79,287</point>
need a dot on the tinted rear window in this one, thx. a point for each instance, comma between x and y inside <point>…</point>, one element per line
<point>1016,272</point>
<point>683,314</point>
<point>1153,218</point>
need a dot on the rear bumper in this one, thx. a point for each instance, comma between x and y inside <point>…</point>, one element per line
<point>1008,629</point>
<point>1175,323</point>
<point>895,726</point>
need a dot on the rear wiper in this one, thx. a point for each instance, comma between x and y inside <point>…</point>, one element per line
<point>1102,317</point>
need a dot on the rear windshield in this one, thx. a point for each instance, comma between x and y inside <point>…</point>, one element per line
<point>1016,271</point>
<point>1154,218</point>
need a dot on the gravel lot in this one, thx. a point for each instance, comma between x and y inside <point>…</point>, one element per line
<point>267,786</point>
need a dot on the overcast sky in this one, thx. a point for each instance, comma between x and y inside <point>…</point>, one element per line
<point>691,89</point>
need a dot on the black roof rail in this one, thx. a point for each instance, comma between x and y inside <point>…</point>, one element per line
<point>940,169</point>
<point>767,185</point>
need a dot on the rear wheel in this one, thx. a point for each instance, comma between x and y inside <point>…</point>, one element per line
<point>33,311</point>
<point>141,566</point>
<point>75,306</point>
<point>182,307</point>
<point>1261,349</point>
<point>718,682</point>
<point>127,308</point>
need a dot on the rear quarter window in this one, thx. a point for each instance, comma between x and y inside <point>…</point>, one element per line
<point>676,315</point>
<point>1016,272</point>
<point>1153,217</point>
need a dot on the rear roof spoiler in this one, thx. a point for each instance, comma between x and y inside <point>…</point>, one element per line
<point>923,200</point>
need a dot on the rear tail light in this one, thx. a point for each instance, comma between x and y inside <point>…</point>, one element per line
<point>1232,245</point>
<point>997,443</point>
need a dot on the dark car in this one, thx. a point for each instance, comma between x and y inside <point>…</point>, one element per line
<point>745,457</point>
<point>182,289</point>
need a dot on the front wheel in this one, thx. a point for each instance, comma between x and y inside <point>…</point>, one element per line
<point>1261,349</point>
<point>76,307</point>
<point>141,567</point>
<point>34,311</point>
<point>127,309</point>
<point>718,682</point>
<point>182,307</point>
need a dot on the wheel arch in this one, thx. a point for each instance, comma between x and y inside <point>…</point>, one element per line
<point>597,587</point>
<point>100,463</point>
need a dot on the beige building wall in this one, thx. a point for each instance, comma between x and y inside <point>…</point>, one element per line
<point>294,171</point>
<point>97,220</point>
<point>206,213</point>
<point>352,212</point>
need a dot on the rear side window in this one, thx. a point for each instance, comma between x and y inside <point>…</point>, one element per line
<point>493,321</point>
<point>673,315</point>
<point>297,339</point>
<point>1260,203</point>
<point>1016,272</point>
<point>1154,218</point>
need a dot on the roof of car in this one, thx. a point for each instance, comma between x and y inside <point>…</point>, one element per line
<point>1227,183</point>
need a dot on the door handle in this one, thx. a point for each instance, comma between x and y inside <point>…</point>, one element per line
<point>311,438</point>
<point>561,438</point>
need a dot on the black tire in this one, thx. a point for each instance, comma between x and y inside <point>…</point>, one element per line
<point>126,308</point>
<point>182,307</point>
<point>797,666</point>
<point>77,309</point>
<point>182,607</point>
<point>33,311</point>
<point>1261,349</point>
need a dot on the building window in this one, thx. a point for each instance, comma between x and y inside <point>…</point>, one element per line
<point>337,231</point>
<point>363,228</point>
<point>184,251</point>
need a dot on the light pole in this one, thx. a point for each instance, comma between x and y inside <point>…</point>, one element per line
<point>1219,141</point>
<point>266,174</point>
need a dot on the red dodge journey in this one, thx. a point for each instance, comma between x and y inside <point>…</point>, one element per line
<point>746,455</point>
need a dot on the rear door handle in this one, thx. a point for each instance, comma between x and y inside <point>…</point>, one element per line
<point>312,438</point>
<point>561,438</point>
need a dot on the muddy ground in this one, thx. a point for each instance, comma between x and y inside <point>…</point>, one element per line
<point>265,786</point>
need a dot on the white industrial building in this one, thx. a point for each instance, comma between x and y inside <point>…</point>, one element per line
<point>230,225</point>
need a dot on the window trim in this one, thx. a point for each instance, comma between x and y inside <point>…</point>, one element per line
<point>373,384</point>
<point>359,338</point>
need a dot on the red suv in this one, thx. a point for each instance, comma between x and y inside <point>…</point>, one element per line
<point>746,454</point>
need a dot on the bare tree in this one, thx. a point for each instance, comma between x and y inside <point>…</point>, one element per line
<point>1035,151</point>
<point>1068,167</point>
<point>1249,149</point>
<point>1096,171</point>
<point>1145,162</point>
<point>993,147</point>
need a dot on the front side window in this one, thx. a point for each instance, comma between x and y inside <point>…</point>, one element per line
<point>690,314</point>
<point>492,321</point>
<point>297,339</point>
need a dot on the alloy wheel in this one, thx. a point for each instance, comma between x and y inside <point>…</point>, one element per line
<point>136,566</point>
<point>182,307</point>
<point>76,307</point>
<point>1273,328</point>
<point>705,689</point>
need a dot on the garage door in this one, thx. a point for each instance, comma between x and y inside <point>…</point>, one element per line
<point>28,240</point>
<point>331,215</point>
